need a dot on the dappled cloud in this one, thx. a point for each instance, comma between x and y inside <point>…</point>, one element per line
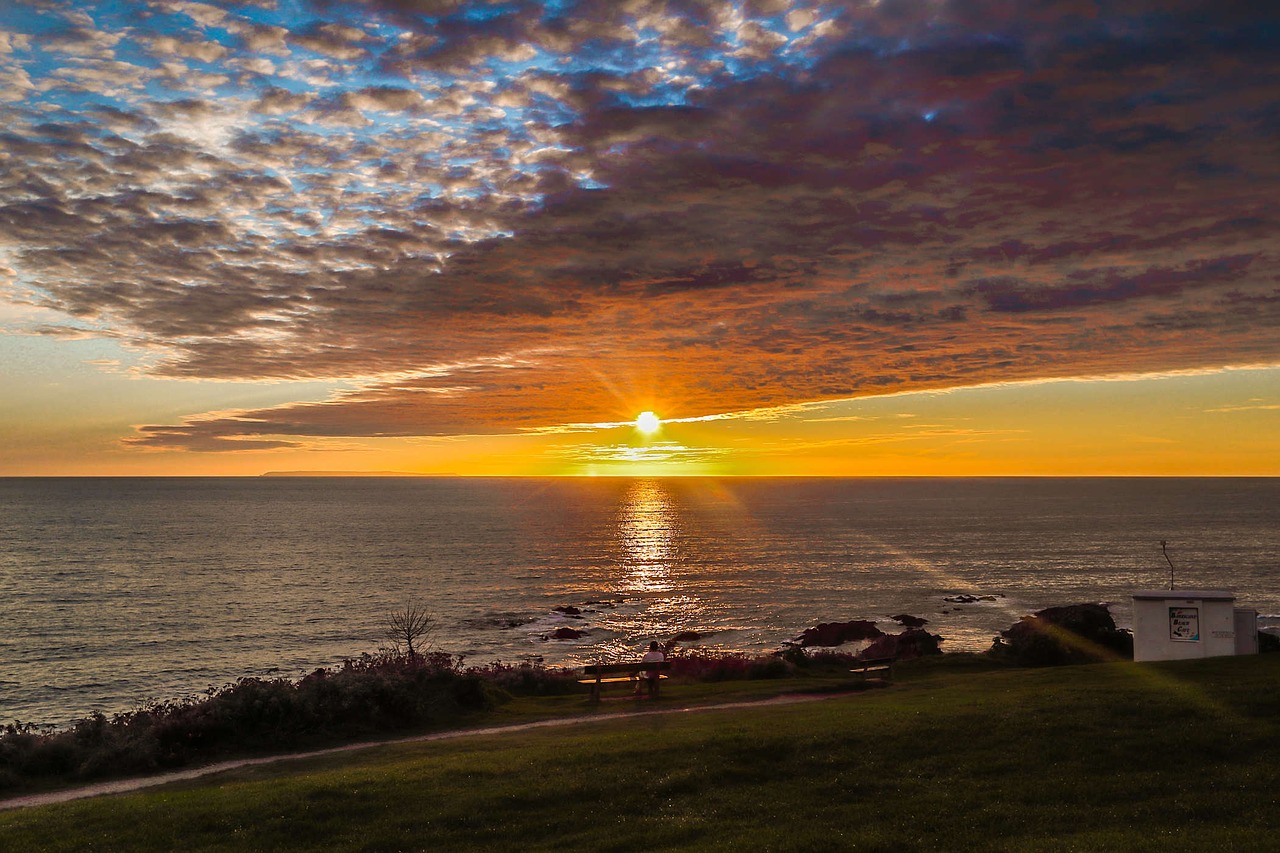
<point>487,218</point>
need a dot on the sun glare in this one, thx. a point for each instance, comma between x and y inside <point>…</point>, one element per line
<point>648,423</point>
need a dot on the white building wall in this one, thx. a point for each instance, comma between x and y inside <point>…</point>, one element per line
<point>1246,631</point>
<point>1181,624</point>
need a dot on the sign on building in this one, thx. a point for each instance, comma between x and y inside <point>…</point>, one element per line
<point>1184,624</point>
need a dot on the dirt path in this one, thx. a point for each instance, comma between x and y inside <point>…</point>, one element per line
<point>121,786</point>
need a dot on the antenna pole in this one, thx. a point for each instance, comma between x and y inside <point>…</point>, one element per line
<point>1167,560</point>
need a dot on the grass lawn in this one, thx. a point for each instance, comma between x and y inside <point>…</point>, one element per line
<point>1164,757</point>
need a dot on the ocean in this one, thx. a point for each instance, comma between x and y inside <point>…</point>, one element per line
<point>115,592</point>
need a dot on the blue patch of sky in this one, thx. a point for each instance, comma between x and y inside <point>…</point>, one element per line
<point>480,14</point>
<point>659,96</point>
<point>21,18</point>
<point>555,9</point>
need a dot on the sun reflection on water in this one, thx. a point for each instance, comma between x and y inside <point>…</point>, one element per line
<point>649,527</point>
<point>646,529</point>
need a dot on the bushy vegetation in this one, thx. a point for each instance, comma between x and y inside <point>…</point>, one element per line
<point>373,694</point>
<point>527,678</point>
<point>389,692</point>
<point>699,665</point>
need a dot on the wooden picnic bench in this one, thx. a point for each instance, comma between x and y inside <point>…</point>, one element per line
<point>600,674</point>
<point>874,665</point>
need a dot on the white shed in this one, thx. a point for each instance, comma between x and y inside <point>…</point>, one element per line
<point>1190,623</point>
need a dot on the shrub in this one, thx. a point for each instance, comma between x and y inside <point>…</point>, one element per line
<point>375,693</point>
<point>527,678</point>
<point>837,660</point>
<point>700,665</point>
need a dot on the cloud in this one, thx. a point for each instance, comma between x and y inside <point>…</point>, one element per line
<point>1111,286</point>
<point>555,214</point>
<point>333,40</point>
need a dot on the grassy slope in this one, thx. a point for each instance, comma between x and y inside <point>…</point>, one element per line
<point>1117,756</point>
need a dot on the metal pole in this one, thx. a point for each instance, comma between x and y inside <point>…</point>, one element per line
<point>1167,560</point>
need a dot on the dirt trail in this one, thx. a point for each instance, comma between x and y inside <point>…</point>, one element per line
<point>121,786</point>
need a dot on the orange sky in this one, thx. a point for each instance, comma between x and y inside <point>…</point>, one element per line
<point>70,421</point>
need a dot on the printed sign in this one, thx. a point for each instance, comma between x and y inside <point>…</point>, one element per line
<point>1184,624</point>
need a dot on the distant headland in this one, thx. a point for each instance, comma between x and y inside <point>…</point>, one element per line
<point>352,474</point>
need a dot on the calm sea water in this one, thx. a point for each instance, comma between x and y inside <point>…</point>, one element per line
<point>116,591</point>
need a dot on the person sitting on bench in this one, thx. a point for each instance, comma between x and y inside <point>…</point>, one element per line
<point>649,677</point>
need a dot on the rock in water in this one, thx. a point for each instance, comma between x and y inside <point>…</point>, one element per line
<point>837,633</point>
<point>911,643</point>
<point>1076,633</point>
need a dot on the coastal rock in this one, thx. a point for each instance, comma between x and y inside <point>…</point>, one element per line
<point>499,620</point>
<point>686,637</point>
<point>966,598</point>
<point>911,643</point>
<point>565,634</point>
<point>1075,633</point>
<point>568,610</point>
<point>909,621</point>
<point>837,633</point>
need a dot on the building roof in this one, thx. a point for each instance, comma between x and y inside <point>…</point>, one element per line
<point>1171,594</point>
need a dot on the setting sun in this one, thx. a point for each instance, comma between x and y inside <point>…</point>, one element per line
<point>648,422</point>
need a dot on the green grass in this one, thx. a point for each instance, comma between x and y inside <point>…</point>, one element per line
<point>955,756</point>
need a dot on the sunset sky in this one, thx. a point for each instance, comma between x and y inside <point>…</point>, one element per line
<point>906,237</point>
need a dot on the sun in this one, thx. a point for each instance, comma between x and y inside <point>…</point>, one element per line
<point>648,423</point>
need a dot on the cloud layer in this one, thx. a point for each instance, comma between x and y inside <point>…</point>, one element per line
<point>505,215</point>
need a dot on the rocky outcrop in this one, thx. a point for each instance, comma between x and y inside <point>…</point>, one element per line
<point>907,621</point>
<point>911,643</point>
<point>565,634</point>
<point>1075,633</point>
<point>837,633</point>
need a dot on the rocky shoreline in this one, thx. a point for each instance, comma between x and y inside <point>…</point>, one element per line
<point>1031,638</point>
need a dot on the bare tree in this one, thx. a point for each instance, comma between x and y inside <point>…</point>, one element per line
<point>410,627</point>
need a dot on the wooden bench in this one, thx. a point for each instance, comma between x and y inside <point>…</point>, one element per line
<point>600,674</point>
<point>874,665</point>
